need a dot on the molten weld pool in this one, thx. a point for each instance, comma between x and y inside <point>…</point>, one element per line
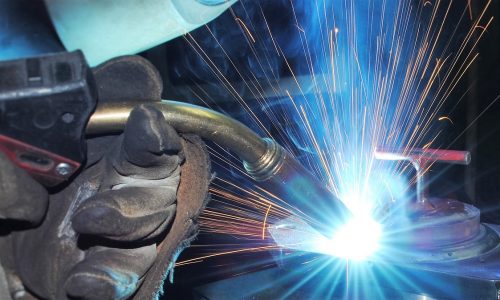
<point>358,239</point>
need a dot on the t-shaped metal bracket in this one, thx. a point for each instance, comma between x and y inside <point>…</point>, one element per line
<point>421,159</point>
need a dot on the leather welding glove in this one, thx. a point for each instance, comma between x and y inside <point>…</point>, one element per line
<point>121,222</point>
<point>21,198</point>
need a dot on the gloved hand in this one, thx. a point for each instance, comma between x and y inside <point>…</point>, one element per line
<point>100,235</point>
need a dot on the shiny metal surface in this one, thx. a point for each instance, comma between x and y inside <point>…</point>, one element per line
<point>450,231</point>
<point>294,234</point>
<point>449,222</point>
<point>186,118</point>
<point>485,241</point>
<point>422,159</point>
<point>268,164</point>
<point>409,247</point>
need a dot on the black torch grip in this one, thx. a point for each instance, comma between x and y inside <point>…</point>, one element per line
<point>45,104</point>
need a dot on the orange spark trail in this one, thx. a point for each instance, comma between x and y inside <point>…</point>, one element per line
<point>240,21</point>
<point>264,223</point>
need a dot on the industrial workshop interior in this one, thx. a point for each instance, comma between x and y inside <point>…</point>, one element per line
<point>249,149</point>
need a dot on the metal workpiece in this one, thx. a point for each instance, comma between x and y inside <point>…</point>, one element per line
<point>421,159</point>
<point>428,155</point>
<point>264,159</point>
<point>436,229</point>
<point>450,222</point>
<point>311,277</point>
<point>448,234</point>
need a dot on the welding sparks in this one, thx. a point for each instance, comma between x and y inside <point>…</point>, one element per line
<point>445,118</point>
<point>380,81</point>
<point>242,24</point>
<point>264,223</point>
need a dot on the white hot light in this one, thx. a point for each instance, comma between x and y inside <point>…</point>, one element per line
<point>358,239</point>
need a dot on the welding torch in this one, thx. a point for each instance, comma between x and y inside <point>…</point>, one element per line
<point>50,105</point>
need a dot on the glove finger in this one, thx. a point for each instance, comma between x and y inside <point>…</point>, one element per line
<point>109,273</point>
<point>21,197</point>
<point>127,214</point>
<point>150,146</point>
<point>130,78</point>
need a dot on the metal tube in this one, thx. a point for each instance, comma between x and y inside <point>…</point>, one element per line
<point>421,159</point>
<point>264,159</point>
<point>185,118</point>
<point>428,155</point>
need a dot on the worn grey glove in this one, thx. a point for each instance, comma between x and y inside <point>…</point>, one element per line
<point>128,196</point>
<point>100,235</point>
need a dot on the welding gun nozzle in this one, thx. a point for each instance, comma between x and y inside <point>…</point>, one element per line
<point>280,173</point>
<point>268,164</point>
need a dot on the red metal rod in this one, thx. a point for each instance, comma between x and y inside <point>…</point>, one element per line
<point>427,155</point>
<point>421,159</point>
